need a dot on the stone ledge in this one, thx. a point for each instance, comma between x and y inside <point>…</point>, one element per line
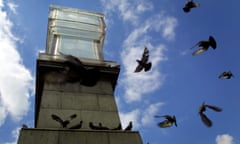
<point>57,136</point>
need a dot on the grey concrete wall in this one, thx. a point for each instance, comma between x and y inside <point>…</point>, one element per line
<point>55,136</point>
<point>91,104</point>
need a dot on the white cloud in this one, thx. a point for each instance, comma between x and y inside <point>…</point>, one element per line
<point>160,25</point>
<point>138,84</point>
<point>15,135</point>
<point>128,10</point>
<point>224,139</point>
<point>140,117</point>
<point>13,7</point>
<point>146,31</point>
<point>149,113</point>
<point>130,116</point>
<point>16,81</point>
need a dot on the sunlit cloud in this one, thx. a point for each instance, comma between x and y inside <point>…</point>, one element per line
<point>128,10</point>
<point>224,139</point>
<point>16,81</point>
<point>130,116</point>
<point>162,25</point>
<point>15,135</point>
<point>13,7</point>
<point>138,84</point>
<point>140,117</point>
<point>148,115</point>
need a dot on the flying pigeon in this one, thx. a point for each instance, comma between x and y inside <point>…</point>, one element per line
<point>63,123</point>
<point>204,45</point>
<point>77,72</point>
<point>226,75</point>
<point>189,5</point>
<point>168,122</point>
<point>143,63</point>
<point>77,126</point>
<point>129,127</point>
<point>204,118</point>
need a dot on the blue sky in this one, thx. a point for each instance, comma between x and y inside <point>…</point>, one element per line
<point>176,85</point>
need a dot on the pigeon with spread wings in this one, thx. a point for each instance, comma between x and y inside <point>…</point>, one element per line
<point>204,45</point>
<point>168,122</point>
<point>63,123</point>
<point>226,75</point>
<point>143,63</point>
<point>204,118</point>
<point>189,5</point>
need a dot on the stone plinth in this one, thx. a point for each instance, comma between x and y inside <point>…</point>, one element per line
<point>60,136</point>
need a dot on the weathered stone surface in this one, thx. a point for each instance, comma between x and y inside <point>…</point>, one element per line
<point>56,136</point>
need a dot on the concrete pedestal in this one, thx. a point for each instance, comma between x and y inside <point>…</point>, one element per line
<point>60,136</point>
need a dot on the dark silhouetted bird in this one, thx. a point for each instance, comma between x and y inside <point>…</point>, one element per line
<point>129,127</point>
<point>204,118</point>
<point>77,126</point>
<point>24,126</point>
<point>91,126</point>
<point>63,123</point>
<point>143,63</point>
<point>226,75</point>
<point>99,127</point>
<point>77,72</point>
<point>168,122</point>
<point>189,5</point>
<point>204,45</point>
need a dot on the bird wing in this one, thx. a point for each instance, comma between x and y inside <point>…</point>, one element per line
<point>147,66</point>
<point>175,122</point>
<point>195,4</point>
<point>143,61</point>
<point>215,108</point>
<point>206,120</point>
<point>168,117</point>
<point>159,116</point>
<point>199,51</point>
<point>145,55</point>
<point>139,68</point>
<point>196,44</point>
<point>226,75</point>
<point>57,118</point>
<point>212,42</point>
<point>222,74</point>
<point>165,124</point>
<point>72,116</point>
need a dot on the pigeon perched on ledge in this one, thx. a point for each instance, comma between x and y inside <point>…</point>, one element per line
<point>129,127</point>
<point>143,63</point>
<point>77,126</point>
<point>204,45</point>
<point>168,122</point>
<point>99,127</point>
<point>189,5</point>
<point>204,118</point>
<point>226,75</point>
